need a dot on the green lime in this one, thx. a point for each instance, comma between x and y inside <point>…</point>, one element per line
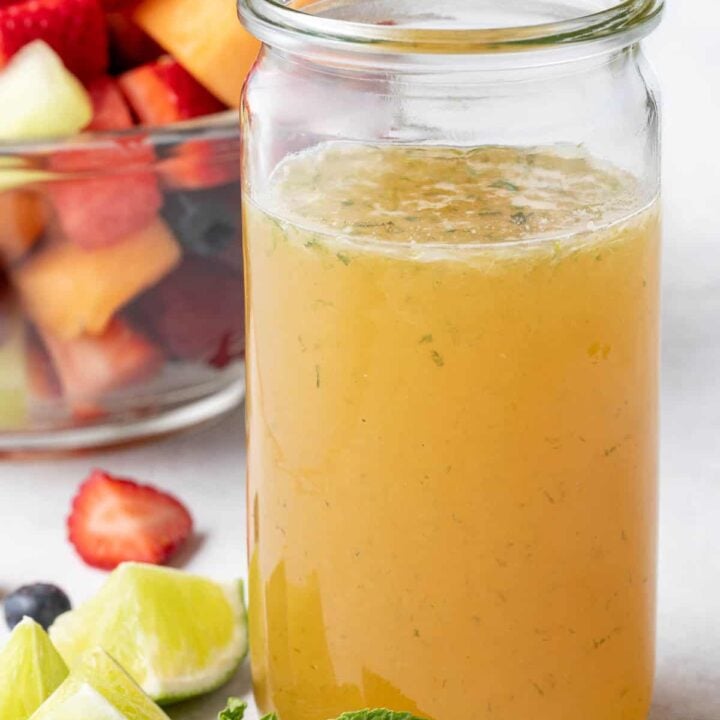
<point>99,689</point>
<point>30,671</point>
<point>178,635</point>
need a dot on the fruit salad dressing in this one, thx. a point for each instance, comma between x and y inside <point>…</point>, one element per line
<point>452,437</point>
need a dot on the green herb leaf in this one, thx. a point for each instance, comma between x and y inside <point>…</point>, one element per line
<point>378,714</point>
<point>271,716</point>
<point>235,710</point>
<point>505,185</point>
<point>437,358</point>
<point>344,258</point>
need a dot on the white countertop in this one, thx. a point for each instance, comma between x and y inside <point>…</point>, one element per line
<point>207,470</point>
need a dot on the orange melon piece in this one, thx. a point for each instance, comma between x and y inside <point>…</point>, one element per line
<point>69,291</point>
<point>22,220</point>
<point>205,36</point>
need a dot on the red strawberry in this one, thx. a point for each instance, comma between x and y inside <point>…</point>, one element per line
<point>75,29</point>
<point>196,313</point>
<point>110,111</point>
<point>114,520</point>
<point>119,195</point>
<point>89,366</point>
<point>198,164</point>
<point>130,45</point>
<point>164,92</point>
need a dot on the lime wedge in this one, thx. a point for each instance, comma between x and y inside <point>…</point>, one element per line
<point>30,671</point>
<point>99,689</point>
<point>178,635</point>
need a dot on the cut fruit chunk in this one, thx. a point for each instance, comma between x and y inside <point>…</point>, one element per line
<point>58,104</point>
<point>118,195</point>
<point>199,164</point>
<point>70,292</point>
<point>110,111</point>
<point>92,365</point>
<point>115,520</point>
<point>197,312</point>
<point>178,635</point>
<point>99,689</point>
<point>206,38</point>
<point>164,92</point>
<point>22,220</point>
<point>75,29</point>
<point>30,671</point>
<point>13,378</point>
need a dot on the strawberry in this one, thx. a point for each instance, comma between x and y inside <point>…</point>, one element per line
<point>75,29</point>
<point>114,520</point>
<point>196,313</point>
<point>110,111</point>
<point>130,45</point>
<point>164,92</point>
<point>115,5</point>
<point>92,365</point>
<point>119,195</point>
<point>197,164</point>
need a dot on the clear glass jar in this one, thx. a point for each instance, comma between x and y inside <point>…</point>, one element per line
<point>121,285</point>
<point>451,224</point>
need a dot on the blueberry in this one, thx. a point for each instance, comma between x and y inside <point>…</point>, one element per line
<point>42,602</point>
<point>205,221</point>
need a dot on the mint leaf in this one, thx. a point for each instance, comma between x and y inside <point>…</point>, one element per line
<point>271,716</point>
<point>377,714</point>
<point>235,710</point>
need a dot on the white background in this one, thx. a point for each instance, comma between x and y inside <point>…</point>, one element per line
<point>207,469</point>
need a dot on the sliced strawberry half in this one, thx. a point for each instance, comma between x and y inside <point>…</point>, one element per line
<point>110,110</point>
<point>92,365</point>
<point>75,29</point>
<point>118,195</point>
<point>164,92</point>
<point>114,520</point>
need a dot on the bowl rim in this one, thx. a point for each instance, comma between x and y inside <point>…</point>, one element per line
<point>220,125</point>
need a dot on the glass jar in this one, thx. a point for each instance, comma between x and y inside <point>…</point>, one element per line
<point>121,289</point>
<point>451,224</point>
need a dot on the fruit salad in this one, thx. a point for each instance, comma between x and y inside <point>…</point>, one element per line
<point>120,262</point>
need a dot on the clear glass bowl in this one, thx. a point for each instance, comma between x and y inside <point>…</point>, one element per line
<point>121,299</point>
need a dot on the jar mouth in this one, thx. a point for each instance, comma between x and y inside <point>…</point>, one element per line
<point>457,27</point>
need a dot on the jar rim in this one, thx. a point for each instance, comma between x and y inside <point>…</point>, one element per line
<point>285,22</point>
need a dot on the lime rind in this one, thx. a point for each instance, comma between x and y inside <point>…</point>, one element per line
<point>176,691</point>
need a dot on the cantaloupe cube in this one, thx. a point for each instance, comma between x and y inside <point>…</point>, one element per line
<point>69,291</point>
<point>205,36</point>
<point>22,219</point>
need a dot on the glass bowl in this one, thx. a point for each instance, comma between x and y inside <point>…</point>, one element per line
<point>121,298</point>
